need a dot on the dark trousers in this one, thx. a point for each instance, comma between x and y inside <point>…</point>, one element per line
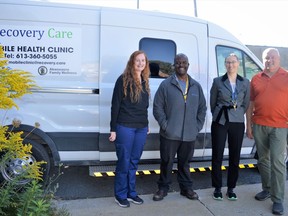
<point>168,150</point>
<point>219,133</point>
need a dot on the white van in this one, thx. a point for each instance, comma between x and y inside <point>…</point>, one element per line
<point>76,53</point>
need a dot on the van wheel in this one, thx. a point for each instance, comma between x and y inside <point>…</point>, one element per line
<point>11,169</point>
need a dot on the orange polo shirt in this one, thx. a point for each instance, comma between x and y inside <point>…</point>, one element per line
<point>270,96</point>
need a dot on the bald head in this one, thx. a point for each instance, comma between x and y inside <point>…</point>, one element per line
<point>181,64</point>
<point>271,60</point>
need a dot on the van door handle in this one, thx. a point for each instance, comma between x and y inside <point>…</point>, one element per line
<point>95,91</point>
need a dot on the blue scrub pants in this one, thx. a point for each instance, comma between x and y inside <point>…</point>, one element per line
<point>129,145</point>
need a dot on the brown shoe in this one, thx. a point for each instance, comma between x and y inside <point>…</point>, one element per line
<point>159,195</point>
<point>190,194</point>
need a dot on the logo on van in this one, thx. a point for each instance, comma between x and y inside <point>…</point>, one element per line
<point>42,70</point>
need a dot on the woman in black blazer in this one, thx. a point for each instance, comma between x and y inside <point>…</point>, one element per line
<point>229,100</point>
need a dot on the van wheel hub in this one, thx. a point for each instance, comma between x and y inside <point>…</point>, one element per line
<point>15,168</point>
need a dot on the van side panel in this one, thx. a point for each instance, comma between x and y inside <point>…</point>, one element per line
<point>120,36</point>
<point>67,103</point>
<point>76,53</point>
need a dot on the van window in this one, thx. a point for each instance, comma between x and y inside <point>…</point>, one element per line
<point>247,68</point>
<point>160,53</point>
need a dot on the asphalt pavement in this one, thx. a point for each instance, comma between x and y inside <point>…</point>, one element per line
<point>76,183</point>
<point>175,204</point>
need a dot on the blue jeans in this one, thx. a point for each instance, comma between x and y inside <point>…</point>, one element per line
<point>129,145</point>
<point>271,147</point>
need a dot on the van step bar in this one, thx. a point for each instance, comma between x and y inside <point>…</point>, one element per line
<point>147,169</point>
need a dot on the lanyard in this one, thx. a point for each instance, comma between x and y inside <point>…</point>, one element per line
<point>181,85</point>
<point>234,98</point>
<point>186,90</point>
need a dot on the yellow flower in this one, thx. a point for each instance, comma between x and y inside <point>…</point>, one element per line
<point>13,83</point>
<point>2,55</point>
<point>3,63</point>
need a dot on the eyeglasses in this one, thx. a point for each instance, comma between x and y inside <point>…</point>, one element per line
<point>230,62</point>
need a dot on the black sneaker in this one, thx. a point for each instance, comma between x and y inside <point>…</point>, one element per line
<point>217,195</point>
<point>263,195</point>
<point>278,209</point>
<point>136,200</point>
<point>231,196</point>
<point>124,203</point>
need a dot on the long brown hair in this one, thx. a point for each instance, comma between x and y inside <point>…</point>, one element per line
<point>131,81</point>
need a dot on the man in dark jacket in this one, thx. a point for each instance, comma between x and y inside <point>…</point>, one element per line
<point>179,108</point>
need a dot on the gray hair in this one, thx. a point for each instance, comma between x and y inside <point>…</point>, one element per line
<point>268,50</point>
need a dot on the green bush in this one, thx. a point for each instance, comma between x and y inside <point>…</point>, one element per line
<point>31,199</point>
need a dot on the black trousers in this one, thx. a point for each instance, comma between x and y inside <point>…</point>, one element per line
<point>168,150</point>
<point>219,133</point>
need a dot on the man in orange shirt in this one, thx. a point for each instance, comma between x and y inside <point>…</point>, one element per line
<point>268,111</point>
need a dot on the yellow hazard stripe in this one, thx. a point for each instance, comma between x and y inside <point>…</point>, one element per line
<point>98,174</point>
<point>157,171</point>
<point>241,166</point>
<point>251,166</point>
<point>192,170</point>
<point>110,174</point>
